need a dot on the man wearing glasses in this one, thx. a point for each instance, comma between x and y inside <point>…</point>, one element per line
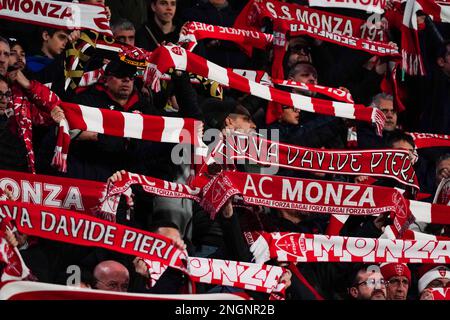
<point>398,278</point>
<point>111,276</point>
<point>368,284</point>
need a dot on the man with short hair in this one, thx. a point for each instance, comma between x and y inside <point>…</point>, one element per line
<point>124,31</point>
<point>385,102</point>
<point>368,284</point>
<point>160,26</point>
<point>398,279</point>
<point>111,276</point>
<point>4,56</point>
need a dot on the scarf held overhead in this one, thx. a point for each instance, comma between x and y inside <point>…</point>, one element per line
<point>123,124</point>
<point>65,226</point>
<point>58,15</point>
<point>296,247</point>
<point>166,57</point>
<point>389,163</point>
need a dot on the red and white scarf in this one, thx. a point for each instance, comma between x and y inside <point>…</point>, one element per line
<point>376,6</point>
<point>56,192</point>
<point>253,14</point>
<point>389,163</point>
<point>69,227</point>
<point>411,56</point>
<point>334,93</point>
<point>26,290</point>
<point>301,247</point>
<point>325,197</point>
<point>59,15</point>
<point>15,268</point>
<point>166,57</point>
<point>430,140</point>
<point>123,124</point>
<point>192,32</point>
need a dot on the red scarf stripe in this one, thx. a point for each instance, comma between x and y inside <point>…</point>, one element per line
<point>166,57</point>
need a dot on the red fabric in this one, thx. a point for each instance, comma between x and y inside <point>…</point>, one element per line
<point>390,270</point>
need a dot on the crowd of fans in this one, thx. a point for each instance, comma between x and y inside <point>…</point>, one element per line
<point>32,78</point>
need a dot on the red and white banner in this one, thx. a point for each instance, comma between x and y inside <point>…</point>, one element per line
<point>334,93</point>
<point>296,28</point>
<point>27,290</point>
<point>166,57</point>
<point>192,32</point>
<point>69,227</point>
<point>430,140</point>
<point>301,247</point>
<point>124,124</point>
<point>388,163</point>
<point>55,192</point>
<point>255,11</point>
<point>369,6</point>
<point>57,14</point>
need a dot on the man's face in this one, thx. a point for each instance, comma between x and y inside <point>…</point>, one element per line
<point>444,62</point>
<point>397,288</point>
<point>113,281</point>
<point>121,88</point>
<point>370,286</point>
<point>125,36</point>
<point>290,115</point>
<point>299,53</point>
<point>55,44</point>
<point>4,57</point>
<point>442,170</point>
<point>240,122</point>
<point>164,10</point>
<point>4,92</point>
<point>17,57</point>
<point>387,107</point>
<point>306,74</point>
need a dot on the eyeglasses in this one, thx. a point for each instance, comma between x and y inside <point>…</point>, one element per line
<point>397,282</point>
<point>115,286</point>
<point>386,111</point>
<point>6,94</point>
<point>372,283</point>
<point>296,49</point>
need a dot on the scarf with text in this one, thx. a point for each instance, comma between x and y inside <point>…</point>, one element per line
<point>430,140</point>
<point>325,197</point>
<point>69,227</point>
<point>166,57</point>
<point>376,6</point>
<point>123,124</point>
<point>388,163</point>
<point>55,192</point>
<point>192,32</point>
<point>253,14</point>
<point>411,56</point>
<point>58,15</point>
<point>283,30</point>
<point>301,247</point>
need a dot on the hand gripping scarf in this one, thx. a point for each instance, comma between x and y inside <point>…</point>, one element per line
<point>166,57</point>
